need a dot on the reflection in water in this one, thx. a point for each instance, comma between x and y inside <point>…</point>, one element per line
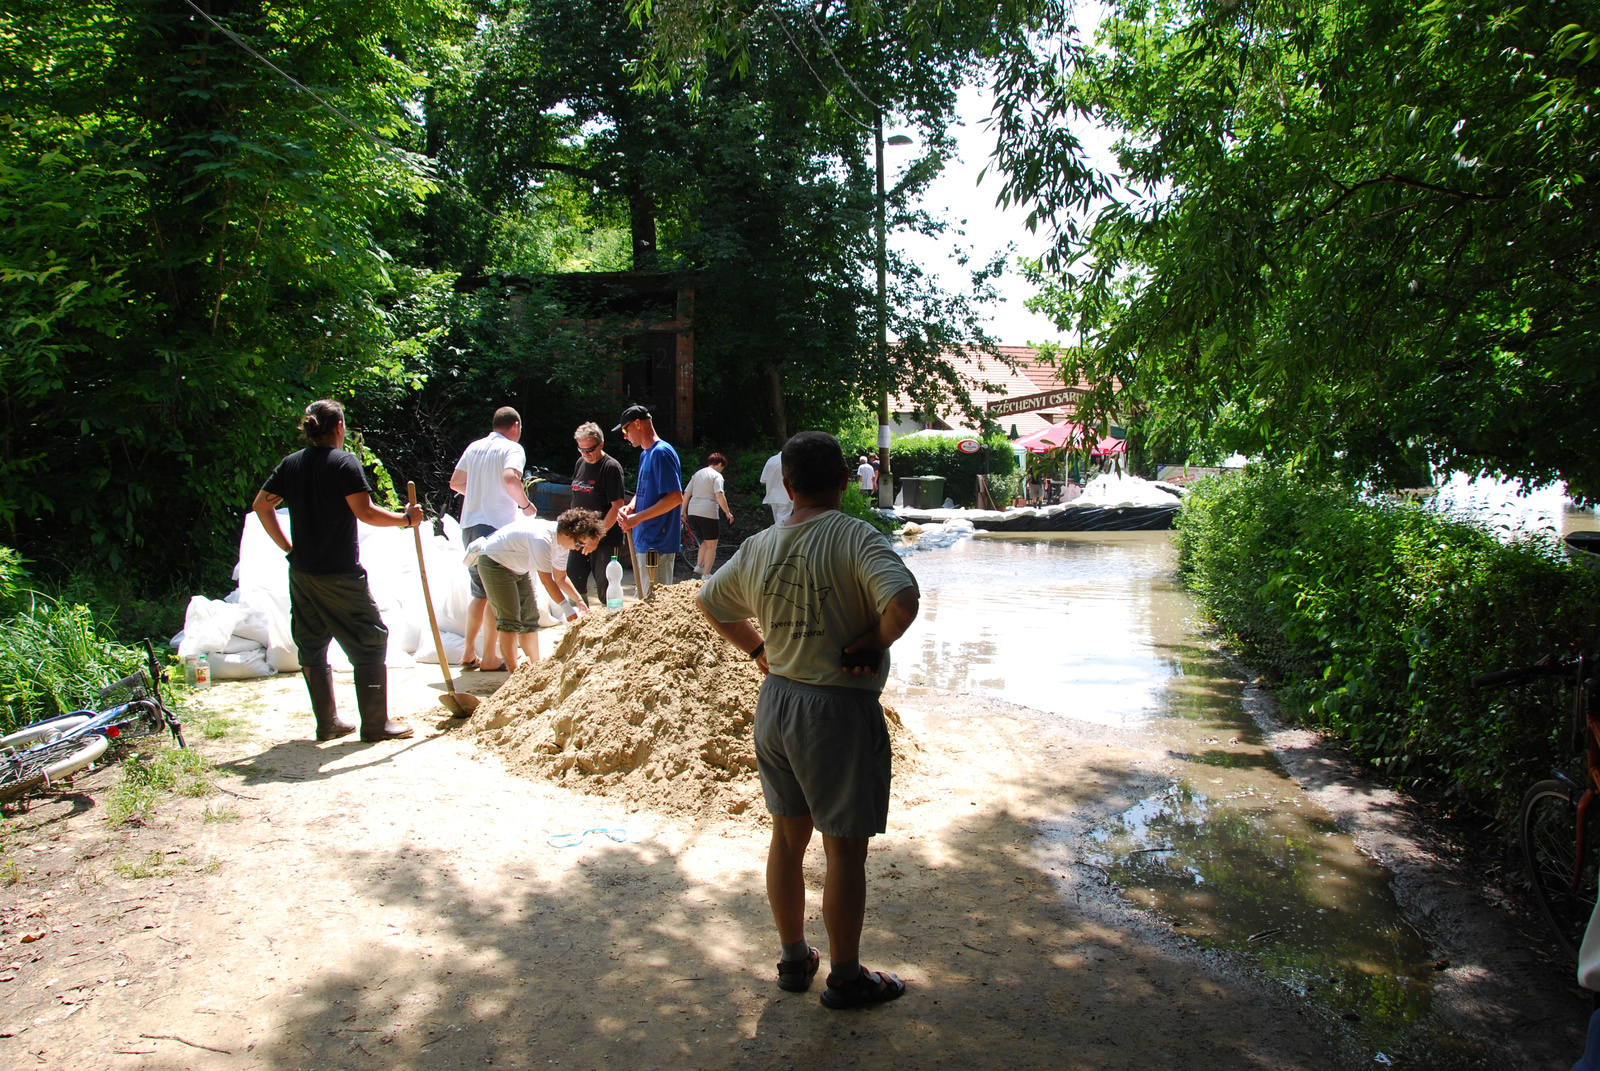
<point>1286,885</point>
<point>1063,626</point>
<point>1230,853</point>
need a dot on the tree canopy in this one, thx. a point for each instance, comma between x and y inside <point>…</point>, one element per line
<point>1357,235</point>
<point>210,216</point>
<point>188,247</point>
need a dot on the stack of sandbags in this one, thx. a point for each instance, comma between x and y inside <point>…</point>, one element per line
<point>1111,490</point>
<point>232,637</point>
<point>389,557</point>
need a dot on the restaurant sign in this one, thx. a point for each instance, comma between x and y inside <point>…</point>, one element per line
<point>1029,403</point>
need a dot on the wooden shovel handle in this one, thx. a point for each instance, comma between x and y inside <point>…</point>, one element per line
<point>427,596</point>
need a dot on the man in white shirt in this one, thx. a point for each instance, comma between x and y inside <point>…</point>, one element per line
<point>777,495</point>
<point>866,476</point>
<point>489,478</point>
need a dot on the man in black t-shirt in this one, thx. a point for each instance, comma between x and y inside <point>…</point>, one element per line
<point>596,484</point>
<point>326,493</point>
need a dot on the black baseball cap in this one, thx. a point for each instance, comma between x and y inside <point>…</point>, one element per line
<point>632,413</point>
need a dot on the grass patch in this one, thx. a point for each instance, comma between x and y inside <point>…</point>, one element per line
<point>148,776</point>
<point>54,660</point>
<point>218,726</point>
<point>150,864</point>
<point>221,813</point>
<point>10,873</point>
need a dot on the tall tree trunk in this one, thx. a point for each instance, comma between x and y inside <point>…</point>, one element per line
<point>777,419</point>
<point>642,226</point>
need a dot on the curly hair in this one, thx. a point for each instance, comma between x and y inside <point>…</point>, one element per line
<point>579,525</point>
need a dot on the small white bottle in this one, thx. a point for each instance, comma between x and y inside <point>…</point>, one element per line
<point>614,584</point>
<point>202,671</point>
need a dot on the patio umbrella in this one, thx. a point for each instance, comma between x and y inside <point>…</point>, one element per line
<point>1054,437</point>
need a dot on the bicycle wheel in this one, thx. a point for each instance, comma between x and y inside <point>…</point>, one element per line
<point>688,553</point>
<point>41,731</point>
<point>50,763</point>
<point>1550,851</point>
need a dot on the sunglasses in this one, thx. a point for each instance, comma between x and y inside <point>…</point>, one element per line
<point>590,449</point>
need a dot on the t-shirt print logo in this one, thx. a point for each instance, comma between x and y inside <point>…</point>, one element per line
<point>790,581</point>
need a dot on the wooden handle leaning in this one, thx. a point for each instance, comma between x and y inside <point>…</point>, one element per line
<point>427,596</point>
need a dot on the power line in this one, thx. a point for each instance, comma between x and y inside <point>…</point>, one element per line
<point>831,55</point>
<point>291,79</point>
<point>826,88</point>
<point>378,143</point>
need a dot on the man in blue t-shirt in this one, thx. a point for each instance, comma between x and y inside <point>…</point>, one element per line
<point>652,515</point>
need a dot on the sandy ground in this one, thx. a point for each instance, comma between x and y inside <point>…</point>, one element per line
<point>401,905</point>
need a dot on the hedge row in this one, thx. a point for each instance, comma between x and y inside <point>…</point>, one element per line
<point>936,455</point>
<point>1374,617</point>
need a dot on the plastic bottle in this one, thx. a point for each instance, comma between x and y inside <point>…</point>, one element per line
<point>202,672</point>
<point>614,584</point>
<point>191,669</point>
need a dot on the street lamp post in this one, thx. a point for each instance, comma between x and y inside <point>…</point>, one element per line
<point>885,469</point>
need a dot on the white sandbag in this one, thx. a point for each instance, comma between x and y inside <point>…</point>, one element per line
<point>208,624</point>
<point>264,587</point>
<point>240,665</point>
<point>409,634</point>
<point>455,645</point>
<point>238,644</point>
<point>253,627</point>
<point>1113,490</point>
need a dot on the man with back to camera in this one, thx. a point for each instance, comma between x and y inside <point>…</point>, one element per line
<point>489,479</point>
<point>866,476</point>
<point>777,495</point>
<point>329,599</point>
<point>653,516</point>
<point>831,596</point>
<point>596,485</point>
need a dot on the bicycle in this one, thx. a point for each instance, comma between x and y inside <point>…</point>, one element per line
<point>55,748</point>
<point>1560,822</point>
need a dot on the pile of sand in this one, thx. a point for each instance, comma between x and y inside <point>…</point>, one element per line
<point>646,705</point>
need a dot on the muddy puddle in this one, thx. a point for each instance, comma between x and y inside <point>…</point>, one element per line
<point>1229,854</point>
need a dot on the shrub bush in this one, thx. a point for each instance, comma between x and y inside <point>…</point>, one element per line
<point>53,660</point>
<point>936,455</point>
<point>1376,616</point>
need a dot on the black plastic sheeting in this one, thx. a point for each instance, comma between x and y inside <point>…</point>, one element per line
<point>1090,519</point>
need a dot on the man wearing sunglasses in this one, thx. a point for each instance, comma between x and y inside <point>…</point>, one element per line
<point>596,485</point>
<point>653,516</point>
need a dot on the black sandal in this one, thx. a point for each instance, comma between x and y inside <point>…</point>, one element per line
<point>869,987</point>
<point>467,666</point>
<point>796,977</point>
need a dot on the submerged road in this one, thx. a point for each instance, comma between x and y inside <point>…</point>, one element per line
<point>1234,853</point>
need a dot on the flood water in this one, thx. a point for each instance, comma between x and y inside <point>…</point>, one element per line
<point>1229,853</point>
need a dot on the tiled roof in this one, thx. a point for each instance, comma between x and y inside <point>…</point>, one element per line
<point>1030,377</point>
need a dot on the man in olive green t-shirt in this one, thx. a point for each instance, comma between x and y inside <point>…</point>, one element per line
<point>831,596</point>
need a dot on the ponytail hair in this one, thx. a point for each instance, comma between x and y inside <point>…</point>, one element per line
<point>322,419</point>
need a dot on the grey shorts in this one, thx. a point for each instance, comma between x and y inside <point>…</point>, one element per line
<point>468,534</point>
<point>823,751</point>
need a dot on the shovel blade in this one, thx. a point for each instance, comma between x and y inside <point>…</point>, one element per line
<point>459,704</point>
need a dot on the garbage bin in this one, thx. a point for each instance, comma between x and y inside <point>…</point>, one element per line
<point>551,499</point>
<point>923,492</point>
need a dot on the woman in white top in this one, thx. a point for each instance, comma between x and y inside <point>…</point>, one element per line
<point>506,563</point>
<point>705,497</point>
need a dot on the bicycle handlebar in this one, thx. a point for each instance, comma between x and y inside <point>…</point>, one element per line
<point>1505,677</point>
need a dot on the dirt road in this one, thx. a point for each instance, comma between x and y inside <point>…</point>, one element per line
<point>401,905</point>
